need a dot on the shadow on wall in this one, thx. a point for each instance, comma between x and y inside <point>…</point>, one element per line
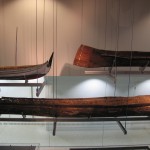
<point>71,70</point>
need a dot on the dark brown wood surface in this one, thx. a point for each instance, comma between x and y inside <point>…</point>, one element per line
<point>82,107</point>
<point>91,58</point>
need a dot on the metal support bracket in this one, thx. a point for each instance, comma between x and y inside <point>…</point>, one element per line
<point>39,89</point>
<point>110,68</point>
<point>64,119</point>
<point>141,69</point>
<point>39,86</point>
<point>95,119</point>
<point>24,116</point>
<point>122,127</point>
<point>54,127</point>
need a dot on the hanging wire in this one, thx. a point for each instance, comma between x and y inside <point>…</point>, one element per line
<point>111,35</point>
<point>106,80</point>
<point>132,23</point>
<point>95,8</point>
<point>53,46</point>
<point>105,27</point>
<point>115,60</point>
<point>36,34</point>
<point>36,44</point>
<point>106,108</point>
<point>82,22</point>
<point>54,55</point>
<point>16,46</point>
<point>43,31</point>
<point>56,49</point>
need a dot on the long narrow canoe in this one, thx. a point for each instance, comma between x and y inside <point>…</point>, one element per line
<point>77,107</point>
<point>25,72</point>
<point>90,57</point>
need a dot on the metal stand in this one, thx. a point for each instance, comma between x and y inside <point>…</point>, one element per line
<point>141,69</point>
<point>122,127</point>
<point>96,119</point>
<point>39,86</point>
<point>54,127</point>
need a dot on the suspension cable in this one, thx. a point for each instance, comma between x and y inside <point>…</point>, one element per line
<point>36,35</point>
<point>43,31</point>
<point>117,47</point>
<point>131,56</point>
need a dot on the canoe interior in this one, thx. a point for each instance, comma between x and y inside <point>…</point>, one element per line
<point>90,57</point>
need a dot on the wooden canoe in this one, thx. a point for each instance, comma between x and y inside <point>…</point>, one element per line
<point>77,107</point>
<point>90,57</point>
<point>25,72</point>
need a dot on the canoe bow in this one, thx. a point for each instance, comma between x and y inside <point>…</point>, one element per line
<point>25,72</point>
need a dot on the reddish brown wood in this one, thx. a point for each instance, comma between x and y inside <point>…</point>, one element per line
<point>83,107</point>
<point>91,58</point>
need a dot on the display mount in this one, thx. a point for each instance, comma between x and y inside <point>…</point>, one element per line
<point>92,119</point>
<point>39,86</point>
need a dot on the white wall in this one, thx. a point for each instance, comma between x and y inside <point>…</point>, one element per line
<point>63,25</point>
<point>82,133</point>
<point>67,24</point>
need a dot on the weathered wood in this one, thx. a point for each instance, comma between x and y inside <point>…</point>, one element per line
<point>83,107</point>
<point>25,72</point>
<point>91,58</point>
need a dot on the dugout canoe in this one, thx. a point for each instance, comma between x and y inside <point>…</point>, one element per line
<point>25,72</point>
<point>90,57</point>
<point>77,107</point>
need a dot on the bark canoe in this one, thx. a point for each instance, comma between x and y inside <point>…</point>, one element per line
<point>90,57</point>
<point>77,107</point>
<point>25,72</point>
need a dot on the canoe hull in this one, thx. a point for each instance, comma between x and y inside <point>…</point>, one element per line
<point>85,107</point>
<point>92,58</point>
<point>25,72</point>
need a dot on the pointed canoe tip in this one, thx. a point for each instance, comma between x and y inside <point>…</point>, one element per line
<point>50,60</point>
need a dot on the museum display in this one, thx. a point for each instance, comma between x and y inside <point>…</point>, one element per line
<point>90,57</point>
<point>77,107</point>
<point>25,72</point>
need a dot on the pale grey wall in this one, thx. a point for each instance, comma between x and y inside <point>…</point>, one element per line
<point>82,133</point>
<point>75,22</point>
<point>67,24</point>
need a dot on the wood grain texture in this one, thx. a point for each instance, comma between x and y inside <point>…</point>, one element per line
<point>77,107</point>
<point>91,58</point>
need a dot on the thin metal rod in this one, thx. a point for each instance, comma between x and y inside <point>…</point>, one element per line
<point>39,90</point>
<point>122,127</point>
<point>54,127</point>
<point>75,119</point>
<point>16,52</point>
<point>141,69</point>
<point>21,84</point>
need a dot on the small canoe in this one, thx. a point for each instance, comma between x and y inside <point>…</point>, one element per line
<point>77,107</point>
<point>90,57</point>
<point>25,72</point>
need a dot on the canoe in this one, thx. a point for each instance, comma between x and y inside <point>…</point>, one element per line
<point>90,57</point>
<point>25,72</point>
<point>77,107</point>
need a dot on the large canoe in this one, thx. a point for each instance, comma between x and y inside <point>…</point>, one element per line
<point>77,107</point>
<point>25,72</point>
<point>90,57</point>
